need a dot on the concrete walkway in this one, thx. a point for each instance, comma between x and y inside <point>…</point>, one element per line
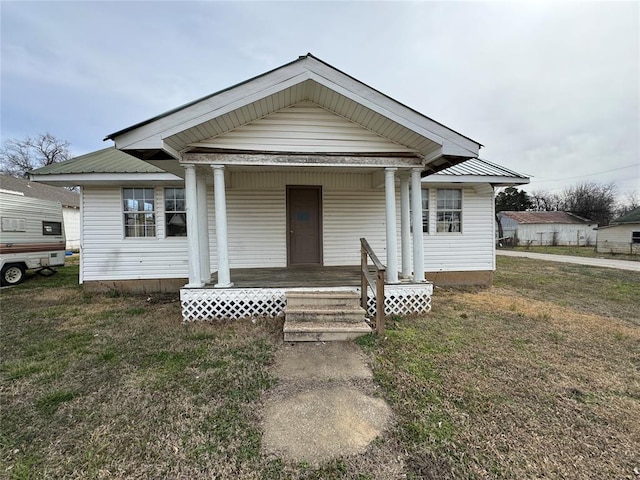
<point>593,262</point>
<point>324,405</point>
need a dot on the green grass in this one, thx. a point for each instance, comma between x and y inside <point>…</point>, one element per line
<point>536,377</point>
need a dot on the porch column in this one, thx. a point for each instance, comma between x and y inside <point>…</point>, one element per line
<point>224,276</point>
<point>203,226</point>
<point>405,225</point>
<point>193,233</point>
<point>392,234</point>
<point>416,211</point>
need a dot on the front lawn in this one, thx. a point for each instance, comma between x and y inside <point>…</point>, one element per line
<point>575,252</point>
<point>536,377</point>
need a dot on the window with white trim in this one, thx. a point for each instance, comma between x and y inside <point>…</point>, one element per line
<point>139,212</point>
<point>175,212</point>
<point>449,210</point>
<point>635,237</point>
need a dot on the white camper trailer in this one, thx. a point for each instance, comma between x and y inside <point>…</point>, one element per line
<point>31,235</point>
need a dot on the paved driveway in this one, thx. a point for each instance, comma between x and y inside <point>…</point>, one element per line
<point>593,262</point>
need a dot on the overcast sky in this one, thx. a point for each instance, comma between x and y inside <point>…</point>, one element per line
<point>550,89</point>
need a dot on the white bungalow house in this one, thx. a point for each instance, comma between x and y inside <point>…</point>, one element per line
<point>269,185</point>
<point>622,235</point>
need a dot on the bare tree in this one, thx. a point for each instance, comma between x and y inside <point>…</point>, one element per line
<point>543,201</point>
<point>631,202</point>
<point>591,200</point>
<point>17,157</point>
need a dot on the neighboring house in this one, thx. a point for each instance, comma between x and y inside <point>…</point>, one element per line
<point>622,235</point>
<point>70,203</point>
<point>548,228</point>
<point>282,174</point>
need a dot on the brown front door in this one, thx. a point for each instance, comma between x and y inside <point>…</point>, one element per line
<point>304,225</point>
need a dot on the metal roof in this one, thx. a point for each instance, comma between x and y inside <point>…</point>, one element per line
<point>545,217</point>
<point>107,160</point>
<point>478,166</point>
<point>39,190</point>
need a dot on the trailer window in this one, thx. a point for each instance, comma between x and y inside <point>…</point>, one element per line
<point>635,237</point>
<point>175,212</point>
<point>52,228</point>
<point>139,212</point>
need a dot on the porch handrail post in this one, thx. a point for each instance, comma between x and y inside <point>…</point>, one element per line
<point>377,283</point>
<point>193,237</point>
<point>224,275</point>
<point>363,278</point>
<point>203,228</point>
<point>405,225</point>
<point>392,234</point>
<point>418,238</point>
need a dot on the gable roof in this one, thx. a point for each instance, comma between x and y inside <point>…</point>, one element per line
<point>545,217</point>
<point>305,79</point>
<point>39,190</point>
<point>478,170</point>
<point>630,217</point>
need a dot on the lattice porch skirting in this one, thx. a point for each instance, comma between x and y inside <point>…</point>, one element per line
<point>236,303</point>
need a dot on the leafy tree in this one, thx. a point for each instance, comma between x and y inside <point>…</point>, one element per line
<point>591,200</point>
<point>514,200</point>
<point>19,156</point>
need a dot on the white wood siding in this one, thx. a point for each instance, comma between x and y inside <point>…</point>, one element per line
<point>71,217</point>
<point>108,255</point>
<point>256,211</point>
<point>257,227</point>
<point>304,127</point>
<point>471,250</point>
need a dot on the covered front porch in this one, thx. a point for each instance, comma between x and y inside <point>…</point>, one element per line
<point>233,293</point>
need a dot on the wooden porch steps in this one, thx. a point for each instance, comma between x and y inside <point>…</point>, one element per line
<point>312,316</point>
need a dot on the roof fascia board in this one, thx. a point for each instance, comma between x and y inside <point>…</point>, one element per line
<point>236,103</point>
<point>89,178</point>
<point>213,107</point>
<point>493,179</point>
<point>197,101</point>
<point>392,109</point>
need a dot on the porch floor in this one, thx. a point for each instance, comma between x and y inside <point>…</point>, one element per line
<point>293,277</point>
